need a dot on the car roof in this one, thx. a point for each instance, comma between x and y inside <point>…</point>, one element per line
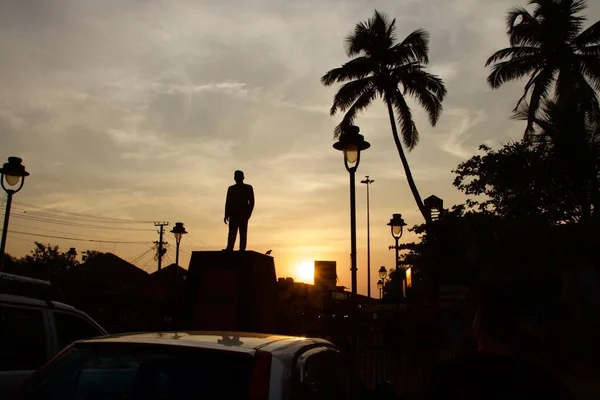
<point>245,342</point>
<point>30,301</point>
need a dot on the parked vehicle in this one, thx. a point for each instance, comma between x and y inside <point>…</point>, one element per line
<point>33,330</point>
<point>178,365</point>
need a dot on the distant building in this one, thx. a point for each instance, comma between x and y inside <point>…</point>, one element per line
<point>114,292</point>
<point>325,275</point>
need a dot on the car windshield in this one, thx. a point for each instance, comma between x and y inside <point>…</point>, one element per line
<point>132,371</point>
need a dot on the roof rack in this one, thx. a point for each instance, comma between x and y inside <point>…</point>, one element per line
<point>25,286</point>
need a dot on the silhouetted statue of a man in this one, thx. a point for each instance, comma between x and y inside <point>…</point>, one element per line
<point>238,209</point>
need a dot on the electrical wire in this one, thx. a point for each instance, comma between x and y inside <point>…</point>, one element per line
<point>46,230</point>
<point>75,224</point>
<point>108,219</point>
<point>80,240</point>
<point>140,256</point>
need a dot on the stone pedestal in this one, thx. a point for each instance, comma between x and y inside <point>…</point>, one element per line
<point>231,290</point>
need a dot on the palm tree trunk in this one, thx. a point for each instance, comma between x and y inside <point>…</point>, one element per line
<point>409,177</point>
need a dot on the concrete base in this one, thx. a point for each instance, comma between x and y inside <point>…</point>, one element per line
<point>231,290</point>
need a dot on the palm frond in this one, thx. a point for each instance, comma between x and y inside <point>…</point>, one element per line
<point>542,85</point>
<point>523,29</point>
<point>414,48</point>
<point>528,85</point>
<point>373,36</point>
<point>589,37</point>
<point>590,67</point>
<point>512,53</point>
<point>357,68</point>
<point>349,92</point>
<point>414,74</point>
<point>591,50</point>
<point>429,90</point>
<point>515,68</point>
<point>409,132</point>
<point>359,40</point>
<point>361,103</point>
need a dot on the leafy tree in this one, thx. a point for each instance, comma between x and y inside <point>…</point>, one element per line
<point>381,67</point>
<point>570,137</point>
<point>517,181</point>
<point>47,261</point>
<point>88,255</point>
<point>549,47</point>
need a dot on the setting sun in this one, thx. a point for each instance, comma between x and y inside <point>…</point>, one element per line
<point>305,271</point>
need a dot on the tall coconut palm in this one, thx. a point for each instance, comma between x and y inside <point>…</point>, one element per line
<point>548,46</point>
<point>381,67</point>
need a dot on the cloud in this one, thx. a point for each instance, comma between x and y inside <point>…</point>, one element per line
<point>143,109</point>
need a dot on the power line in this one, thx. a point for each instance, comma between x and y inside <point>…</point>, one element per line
<point>45,230</point>
<point>140,256</point>
<point>80,240</point>
<point>90,216</point>
<point>75,224</point>
<point>59,217</point>
<point>19,238</point>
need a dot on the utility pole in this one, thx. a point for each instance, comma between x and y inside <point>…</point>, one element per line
<point>368,182</point>
<point>160,243</point>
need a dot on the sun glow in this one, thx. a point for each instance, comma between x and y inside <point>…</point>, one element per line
<point>305,271</point>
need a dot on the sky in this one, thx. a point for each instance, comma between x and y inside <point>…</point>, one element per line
<point>129,112</point>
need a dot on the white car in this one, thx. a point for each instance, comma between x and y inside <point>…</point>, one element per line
<point>196,365</point>
<point>32,331</point>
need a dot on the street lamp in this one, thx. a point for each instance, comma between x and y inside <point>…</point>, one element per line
<point>397,225</point>
<point>380,287</point>
<point>178,231</point>
<point>351,142</point>
<point>368,182</point>
<point>12,178</point>
<point>382,275</point>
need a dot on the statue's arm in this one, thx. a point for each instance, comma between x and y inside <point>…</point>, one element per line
<point>227,205</point>
<point>250,201</point>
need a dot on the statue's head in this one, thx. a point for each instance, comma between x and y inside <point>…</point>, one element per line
<point>238,176</point>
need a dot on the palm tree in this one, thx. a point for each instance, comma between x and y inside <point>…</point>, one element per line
<point>383,68</point>
<point>549,47</point>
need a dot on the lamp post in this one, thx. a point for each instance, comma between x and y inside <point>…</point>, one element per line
<point>382,275</point>
<point>178,231</point>
<point>368,182</point>
<point>12,178</point>
<point>351,143</point>
<point>397,225</point>
<point>380,287</point>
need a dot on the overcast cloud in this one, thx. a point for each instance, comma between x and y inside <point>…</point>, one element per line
<point>143,110</point>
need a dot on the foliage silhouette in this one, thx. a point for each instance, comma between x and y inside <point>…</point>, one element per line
<point>570,136</point>
<point>381,67</point>
<point>517,181</point>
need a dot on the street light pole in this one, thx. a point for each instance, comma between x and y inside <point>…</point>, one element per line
<point>178,231</point>
<point>382,275</point>
<point>397,225</point>
<point>351,142</point>
<point>11,174</point>
<point>368,182</point>
<point>353,267</point>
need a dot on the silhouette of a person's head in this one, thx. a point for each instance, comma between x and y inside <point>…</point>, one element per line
<point>238,176</point>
